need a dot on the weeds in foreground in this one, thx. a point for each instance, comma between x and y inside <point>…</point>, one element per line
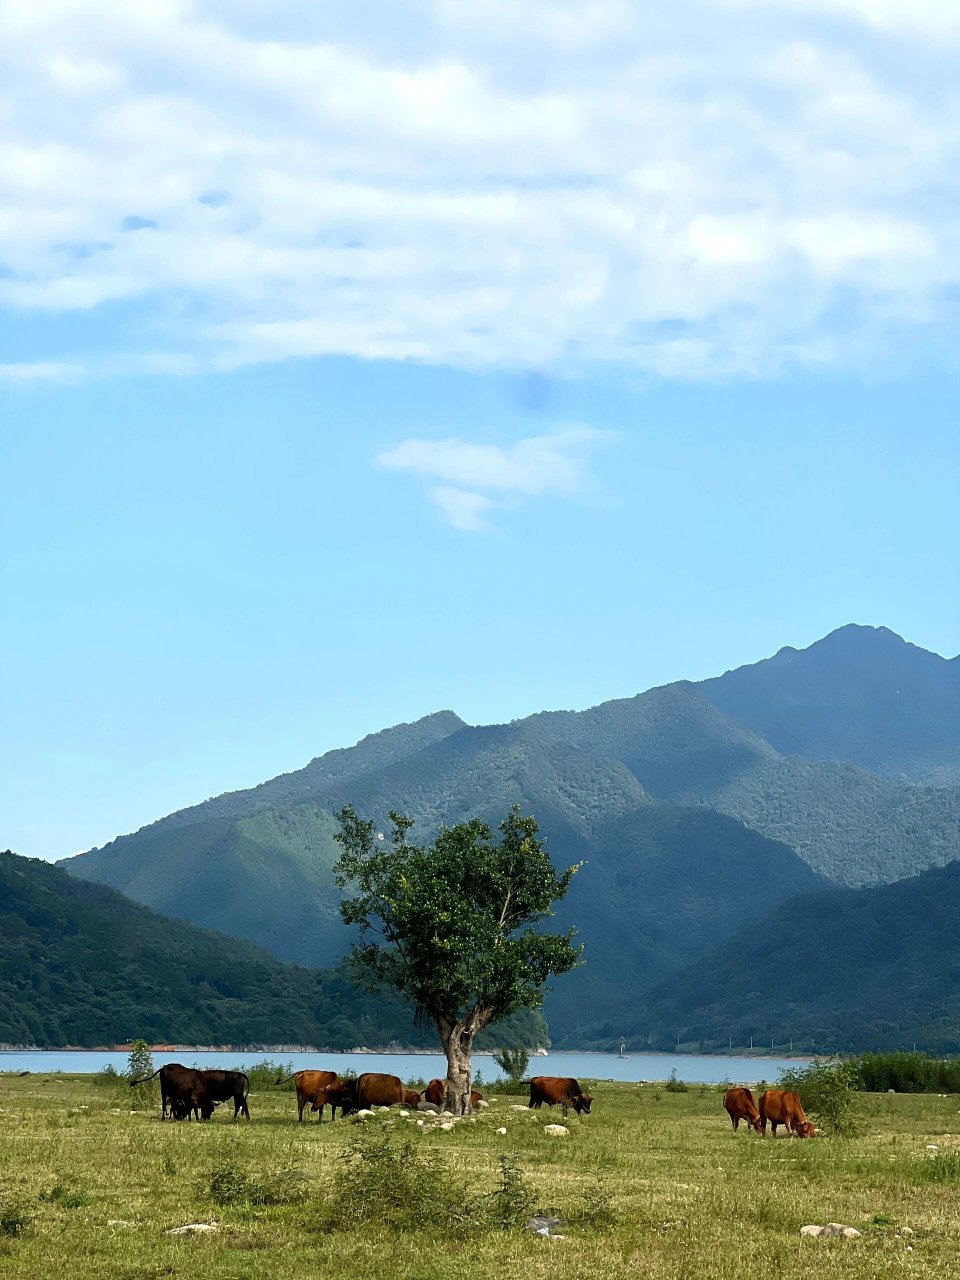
<point>230,1184</point>
<point>14,1218</point>
<point>396,1183</point>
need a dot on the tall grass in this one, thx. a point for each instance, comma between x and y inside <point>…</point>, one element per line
<point>908,1073</point>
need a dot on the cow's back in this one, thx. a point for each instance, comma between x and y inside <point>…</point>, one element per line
<point>375,1089</point>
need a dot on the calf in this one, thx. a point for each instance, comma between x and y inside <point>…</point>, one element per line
<point>436,1091</point>
<point>782,1106</point>
<point>562,1091</point>
<point>739,1105</point>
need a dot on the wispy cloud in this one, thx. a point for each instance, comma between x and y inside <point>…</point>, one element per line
<point>698,190</point>
<point>470,473</point>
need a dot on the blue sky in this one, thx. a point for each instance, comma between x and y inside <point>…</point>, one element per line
<point>494,360</point>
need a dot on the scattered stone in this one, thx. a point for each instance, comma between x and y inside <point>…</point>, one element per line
<point>115,1111</point>
<point>363,1114</point>
<point>905,1231</point>
<point>677,1224</point>
<point>447,1126</point>
<point>383,1108</point>
<point>515,1106</point>
<point>541,1225</point>
<point>482,1103</point>
<point>194,1229</point>
<point>832,1231</point>
<point>427,1106</point>
<point>502,1129</point>
<point>404,1114</point>
<point>556,1130</point>
<point>420,1123</point>
<point>932,1146</point>
<point>120,1222</point>
<point>446,1113</point>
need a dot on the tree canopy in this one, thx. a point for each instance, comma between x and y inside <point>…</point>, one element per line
<point>451,925</point>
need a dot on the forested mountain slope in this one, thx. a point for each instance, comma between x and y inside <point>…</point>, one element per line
<point>82,965</point>
<point>846,970</point>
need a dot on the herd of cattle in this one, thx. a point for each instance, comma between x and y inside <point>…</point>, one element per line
<point>186,1092</point>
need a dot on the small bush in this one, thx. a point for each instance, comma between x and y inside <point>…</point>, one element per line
<point>514,1063</point>
<point>674,1085</point>
<point>65,1197</point>
<point>396,1183</point>
<point>229,1184</point>
<point>942,1168</point>
<point>596,1213</point>
<point>108,1075</point>
<point>14,1218</point>
<point>263,1075</point>
<point>826,1089</point>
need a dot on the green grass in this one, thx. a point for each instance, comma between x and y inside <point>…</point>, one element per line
<point>652,1184</point>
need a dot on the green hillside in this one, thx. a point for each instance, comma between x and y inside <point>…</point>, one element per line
<point>82,965</point>
<point>847,970</point>
<point>861,695</point>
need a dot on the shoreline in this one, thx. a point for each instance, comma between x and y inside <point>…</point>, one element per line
<point>404,1053</point>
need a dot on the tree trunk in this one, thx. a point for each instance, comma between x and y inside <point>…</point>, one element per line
<point>457,1039</point>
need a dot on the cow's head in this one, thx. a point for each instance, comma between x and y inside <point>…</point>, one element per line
<point>805,1129</point>
<point>756,1123</point>
<point>582,1103</point>
<point>411,1098</point>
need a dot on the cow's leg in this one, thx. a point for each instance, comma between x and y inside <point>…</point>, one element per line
<point>736,1123</point>
<point>301,1103</point>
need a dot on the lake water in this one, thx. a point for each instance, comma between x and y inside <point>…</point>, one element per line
<point>590,1066</point>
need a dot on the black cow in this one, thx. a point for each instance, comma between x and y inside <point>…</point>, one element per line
<point>222,1086</point>
<point>182,1091</point>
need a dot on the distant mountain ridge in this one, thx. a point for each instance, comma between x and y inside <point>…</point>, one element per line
<point>861,695</point>
<point>643,788</point>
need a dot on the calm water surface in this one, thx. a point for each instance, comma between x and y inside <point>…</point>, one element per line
<point>591,1066</point>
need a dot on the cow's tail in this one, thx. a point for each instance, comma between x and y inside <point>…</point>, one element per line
<point>146,1078</point>
<point>279,1079</point>
<point>246,1083</point>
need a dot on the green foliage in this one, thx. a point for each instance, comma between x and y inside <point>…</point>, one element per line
<point>14,1218</point>
<point>826,1089</point>
<point>139,1060</point>
<point>673,1085</point>
<point>908,1073</point>
<point>941,1168</point>
<point>513,1062</point>
<point>230,1184</point>
<point>455,917</point>
<point>397,1183</point>
<point>99,964</point>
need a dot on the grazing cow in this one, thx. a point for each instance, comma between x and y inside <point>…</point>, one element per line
<point>182,1090</point>
<point>411,1098</point>
<point>311,1087</point>
<point>739,1105</point>
<point>560,1091</point>
<point>436,1091</point>
<point>377,1090</point>
<point>782,1106</point>
<point>342,1094</point>
<point>222,1086</point>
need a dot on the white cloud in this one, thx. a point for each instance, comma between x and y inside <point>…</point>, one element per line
<point>533,467</point>
<point>694,190</point>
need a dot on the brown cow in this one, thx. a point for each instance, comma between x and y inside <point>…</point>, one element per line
<point>342,1094</point>
<point>562,1091</point>
<point>311,1087</point>
<point>377,1090</point>
<point>436,1091</point>
<point>739,1105</point>
<point>782,1106</point>
<point>411,1098</point>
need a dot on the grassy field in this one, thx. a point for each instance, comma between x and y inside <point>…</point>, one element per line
<point>652,1184</point>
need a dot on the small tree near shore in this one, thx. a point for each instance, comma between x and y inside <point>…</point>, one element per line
<point>449,926</point>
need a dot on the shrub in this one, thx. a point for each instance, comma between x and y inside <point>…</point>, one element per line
<point>14,1218</point>
<point>263,1075</point>
<point>139,1066</point>
<point>827,1090</point>
<point>230,1184</point>
<point>908,1073</point>
<point>943,1168</point>
<point>397,1183</point>
<point>674,1085</point>
<point>514,1063</point>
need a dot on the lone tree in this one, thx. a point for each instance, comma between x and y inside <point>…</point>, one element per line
<point>450,925</point>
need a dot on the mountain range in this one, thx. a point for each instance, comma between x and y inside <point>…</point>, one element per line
<point>701,811</point>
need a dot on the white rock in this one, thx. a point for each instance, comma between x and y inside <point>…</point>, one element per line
<point>502,1129</point>
<point>193,1229</point>
<point>556,1130</point>
<point>447,1126</point>
<point>837,1230</point>
<point>811,1230</point>
<point>516,1107</point>
<point>420,1123</point>
<point>905,1231</point>
<point>404,1114</point>
<point>932,1146</point>
<point>383,1108</point>
<point>446,1113</point>
<point>120,1222</point>
<point>363,1114</point>
<point>482,1103</point>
